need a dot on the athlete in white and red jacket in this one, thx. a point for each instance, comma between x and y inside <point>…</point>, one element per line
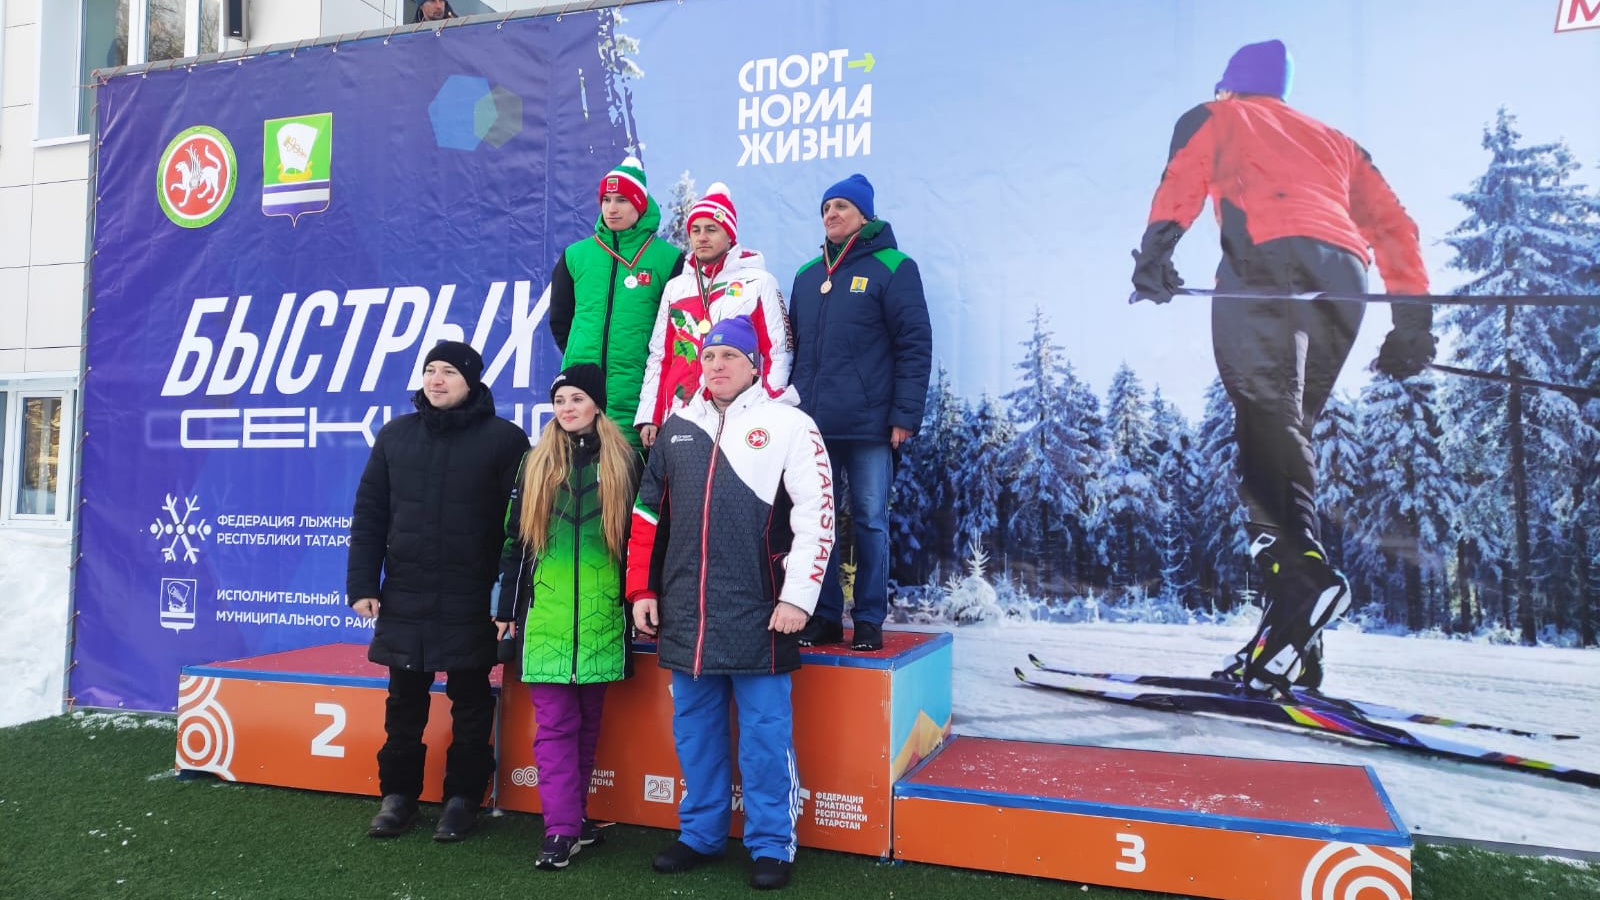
<point>731,536</point>
<point>720,280</point>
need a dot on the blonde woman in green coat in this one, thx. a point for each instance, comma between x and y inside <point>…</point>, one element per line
<point>566,529</point>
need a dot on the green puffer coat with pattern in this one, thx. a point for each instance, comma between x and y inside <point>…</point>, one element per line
<point>574,630</point>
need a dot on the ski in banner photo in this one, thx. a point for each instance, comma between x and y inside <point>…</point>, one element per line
<point>1319,719</point>
<point>1303,696</point>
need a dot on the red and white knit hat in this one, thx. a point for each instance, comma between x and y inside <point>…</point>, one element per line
<point>627,180</point>
<point>717,204</point>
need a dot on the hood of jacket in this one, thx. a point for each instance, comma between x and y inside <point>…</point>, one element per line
<point>479,404</point>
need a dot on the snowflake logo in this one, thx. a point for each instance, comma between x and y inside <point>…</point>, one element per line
<point>177,531</point>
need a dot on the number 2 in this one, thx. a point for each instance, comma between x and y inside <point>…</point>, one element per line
<point>322,744</point>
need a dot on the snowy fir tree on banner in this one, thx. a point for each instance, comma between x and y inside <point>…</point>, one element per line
<point>1222,548</point>
<point>1055,455</point>
<point>921,520</point>
<point>675,212</point>
<point>1129,509</point>
<point>980,485</point>
<point>1180,483</point>
<point>1529,232</point>
<point>971,598</point>
<point>1341,464</point>
<point>618,68</point>
<point>1403,512</point>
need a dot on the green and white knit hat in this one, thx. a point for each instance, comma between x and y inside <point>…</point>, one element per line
<point>627,180</point>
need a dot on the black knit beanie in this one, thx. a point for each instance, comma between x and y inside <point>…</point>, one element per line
<point>586,377</point>
<point>462,356</point>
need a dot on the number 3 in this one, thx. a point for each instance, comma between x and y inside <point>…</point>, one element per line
<point>1132,853</point>
<point>322,744</point>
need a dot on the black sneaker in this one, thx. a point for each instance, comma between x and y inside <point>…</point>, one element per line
<point>460,816</point>
<point>591,833</point>
<point>397,816</point>
<point>557,852</point>
<point>680,857</point>
<point>820,632</point>
<point>769,874</point>
<point>868,637</point>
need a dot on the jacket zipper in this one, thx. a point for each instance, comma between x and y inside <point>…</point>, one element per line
<point>577,567</point>
<point>822,317</point>
<point>611,295</point>
<point>705,537</point>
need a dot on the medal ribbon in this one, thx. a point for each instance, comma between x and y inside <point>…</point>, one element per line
<point>618,257</point>
<point>830,266</point>
<point>700,281</point>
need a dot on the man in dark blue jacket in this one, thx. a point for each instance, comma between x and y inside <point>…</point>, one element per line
<point>863,352</point>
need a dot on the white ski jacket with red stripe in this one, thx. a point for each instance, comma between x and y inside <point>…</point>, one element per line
<point>735,512</point>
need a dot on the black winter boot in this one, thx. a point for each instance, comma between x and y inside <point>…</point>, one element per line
<point>396,817</point>
<point>460,816</point>
<point>820,632</point>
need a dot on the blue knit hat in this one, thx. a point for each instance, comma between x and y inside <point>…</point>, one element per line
<point>738,333</point>
<point>857,189</point>
<point>1264,68</point>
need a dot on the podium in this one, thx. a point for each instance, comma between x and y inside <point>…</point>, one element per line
<point>861,720</point>
<point>1175,823</point>
<point>309,718</point>
<point>313,719</point>
<point>880,775</point>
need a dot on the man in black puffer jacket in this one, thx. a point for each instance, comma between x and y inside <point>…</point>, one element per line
<point>424,553</point>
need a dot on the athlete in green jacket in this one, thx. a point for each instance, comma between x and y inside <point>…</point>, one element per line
<point>605,290</point>
<point>561,592</point>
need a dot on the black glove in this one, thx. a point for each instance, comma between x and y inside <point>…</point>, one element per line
<point>1405,352</point>
<point>1410,346</point>
<point>1155,278</point>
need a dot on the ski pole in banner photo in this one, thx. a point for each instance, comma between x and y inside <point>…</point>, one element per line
<point>1397,299</point>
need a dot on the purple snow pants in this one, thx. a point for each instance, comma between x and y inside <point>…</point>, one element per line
<point>568,717</point>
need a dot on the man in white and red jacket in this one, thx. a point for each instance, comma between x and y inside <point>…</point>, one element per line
<point>731,536</point>
<point>720,280</point>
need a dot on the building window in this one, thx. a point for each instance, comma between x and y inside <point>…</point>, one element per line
<point>76,37</point>
<point>37,480</point>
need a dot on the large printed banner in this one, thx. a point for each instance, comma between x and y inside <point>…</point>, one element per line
<point>1079,460</point>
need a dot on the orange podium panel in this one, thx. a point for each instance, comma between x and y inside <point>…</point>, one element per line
<point>1175,823</point>
<point>310,718</point>
<point>861,720</point>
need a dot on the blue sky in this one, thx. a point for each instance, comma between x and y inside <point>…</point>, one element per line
<point>1015,147</point>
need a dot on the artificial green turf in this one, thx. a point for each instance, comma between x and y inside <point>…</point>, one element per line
<point>90,809</point>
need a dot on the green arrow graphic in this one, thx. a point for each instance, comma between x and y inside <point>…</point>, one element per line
<point>865,63</point>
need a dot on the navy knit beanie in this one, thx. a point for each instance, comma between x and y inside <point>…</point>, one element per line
<point>857,189</point>
<point>1264,68</point>
<point>462,356</point>
<point>738,333</point>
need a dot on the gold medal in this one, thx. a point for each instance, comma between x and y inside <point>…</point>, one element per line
<point>827,285</point>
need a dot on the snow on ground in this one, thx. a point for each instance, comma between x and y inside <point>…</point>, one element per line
<point>1532,688</point>
<point>33,606</point>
